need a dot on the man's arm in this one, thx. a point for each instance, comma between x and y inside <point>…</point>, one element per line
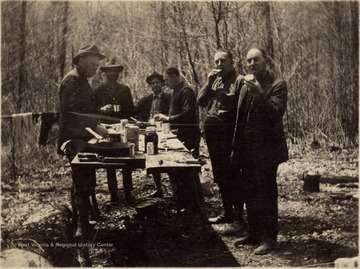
<point>274,105</point>
<point>127,103</point>
<point>205,96</point>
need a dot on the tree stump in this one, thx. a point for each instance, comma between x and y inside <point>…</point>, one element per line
<point>311,182</point>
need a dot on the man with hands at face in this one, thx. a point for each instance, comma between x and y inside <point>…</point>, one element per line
<point>258,147</point>
<point>220,100</point>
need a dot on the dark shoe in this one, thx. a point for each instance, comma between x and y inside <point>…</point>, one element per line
<point>246,240</point>
<point>236,228</point>
<point>157,194</point>
<point>130,198</point>
<point>222,218</point>
<point>265,247</point>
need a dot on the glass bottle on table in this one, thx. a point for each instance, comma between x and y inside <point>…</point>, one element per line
<point>151,136</point>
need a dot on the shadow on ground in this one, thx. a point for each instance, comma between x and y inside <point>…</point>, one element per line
<point>170,240</point>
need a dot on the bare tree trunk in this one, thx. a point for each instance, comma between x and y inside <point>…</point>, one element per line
<point>22,74</point>
<point>217,18</point>
<point>63,39</point>
<point>353,133</point>
<point>268,29</point>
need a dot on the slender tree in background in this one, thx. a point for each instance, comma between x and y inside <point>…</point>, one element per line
<point>63,41</point>
<point>314,46</point>
<point>22,60</point>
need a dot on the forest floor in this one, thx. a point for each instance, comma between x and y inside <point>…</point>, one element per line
<point>315,228</point>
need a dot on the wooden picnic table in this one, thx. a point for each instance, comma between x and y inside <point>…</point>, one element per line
<point>175,160</point>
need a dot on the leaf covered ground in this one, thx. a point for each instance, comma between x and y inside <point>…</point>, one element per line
<point>315,227</point>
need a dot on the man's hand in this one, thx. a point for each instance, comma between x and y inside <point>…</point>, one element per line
<point>107,108</point>
<point>161,117</point>
<point>254,87</point>
<point>212,76</point>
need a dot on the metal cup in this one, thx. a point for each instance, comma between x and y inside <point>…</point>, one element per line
<point>116,108</point>
<point>166,128</point>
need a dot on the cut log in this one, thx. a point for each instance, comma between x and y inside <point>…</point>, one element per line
<point>334,179</point>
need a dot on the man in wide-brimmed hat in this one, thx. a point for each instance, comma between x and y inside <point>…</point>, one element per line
<point>157,102</point>
<point>77,96</point>
<point>75,91</point>
<point>115,99</point>
<point>112,97</point>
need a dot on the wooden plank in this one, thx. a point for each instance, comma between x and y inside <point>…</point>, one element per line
<point>167,162</point>
<point>335,179</point>
<point>120,162</point>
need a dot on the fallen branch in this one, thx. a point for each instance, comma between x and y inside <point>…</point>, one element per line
<point>333,179</point>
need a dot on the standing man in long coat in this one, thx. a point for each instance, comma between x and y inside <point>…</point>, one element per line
<point>259,146</point>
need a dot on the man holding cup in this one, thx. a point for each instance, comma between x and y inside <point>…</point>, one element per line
<point>115,99</point>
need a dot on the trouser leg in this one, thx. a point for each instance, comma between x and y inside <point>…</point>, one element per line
<point>84,185</point>
<point>261,204</point>
<point>157,181</point>
<point>218,140</point>
<point>237,196</point>
<point>112,183</point>
<point>270,205</point>
<point>227,203</point>
<point>127,181</point>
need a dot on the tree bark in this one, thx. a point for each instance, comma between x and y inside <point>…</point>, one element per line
<point>63,39</point>
<point>266,12</point>
<point>22,69</point>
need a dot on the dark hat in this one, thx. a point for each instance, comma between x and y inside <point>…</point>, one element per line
<point>154,75</point>
<point>112,64</point>
<point>88,50</point>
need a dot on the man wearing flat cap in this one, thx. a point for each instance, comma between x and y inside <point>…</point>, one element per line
<point>148,106</point>
<point>156,102</point>
<point>77,96</point>
<point>115,99</point>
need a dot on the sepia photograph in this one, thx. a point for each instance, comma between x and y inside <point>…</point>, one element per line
<point>179,133</point>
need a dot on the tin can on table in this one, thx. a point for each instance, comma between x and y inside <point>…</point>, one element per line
<point>132,150</point>
<point>166,128</point>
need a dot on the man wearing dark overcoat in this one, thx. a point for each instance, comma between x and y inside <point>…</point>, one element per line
<point>259,146</point>
<point>77,96</point>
